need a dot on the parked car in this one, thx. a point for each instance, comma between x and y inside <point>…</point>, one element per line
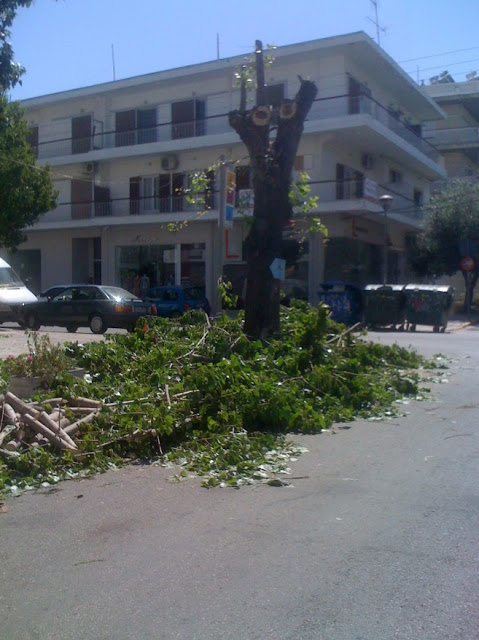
<point>172,301</point>
<point>86,305</point>
<point>51,292</point>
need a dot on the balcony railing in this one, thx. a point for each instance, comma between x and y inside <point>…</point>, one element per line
<point>456,137</point>
<point>322,109</point>
<point>327,191</point>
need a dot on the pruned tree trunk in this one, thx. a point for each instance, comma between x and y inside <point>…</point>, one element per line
<point>271,163</point>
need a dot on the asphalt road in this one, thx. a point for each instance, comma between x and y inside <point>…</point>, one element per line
<point>376,538</point>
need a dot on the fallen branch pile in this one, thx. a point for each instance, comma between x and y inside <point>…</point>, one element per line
<point>24,425</point>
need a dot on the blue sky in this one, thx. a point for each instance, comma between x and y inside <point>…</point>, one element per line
<point>68,43</point>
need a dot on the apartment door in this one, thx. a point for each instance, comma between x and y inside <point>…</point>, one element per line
<point>81,199</point>
<point>81,134</point>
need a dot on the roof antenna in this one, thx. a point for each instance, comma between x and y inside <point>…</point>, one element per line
<point>376,22</point>
<point>217,46</point>
<point>113,61</point>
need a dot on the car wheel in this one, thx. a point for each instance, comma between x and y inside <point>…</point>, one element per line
<point>71,328</point>
<point>97,324</point>
<point>32,322</point>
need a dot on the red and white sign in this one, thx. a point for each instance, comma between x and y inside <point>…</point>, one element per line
<point>370,190</point>
<point>467,263</point>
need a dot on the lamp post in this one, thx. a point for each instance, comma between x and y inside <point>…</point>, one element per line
<point>385,201</point>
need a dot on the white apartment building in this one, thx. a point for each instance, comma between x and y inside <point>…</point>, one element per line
<point>122,153</point>
<point>457,137</point>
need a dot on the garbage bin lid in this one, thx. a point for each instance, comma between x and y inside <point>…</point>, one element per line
<point>386,287</point>
<point>339,285</point>
<point>430,287</point>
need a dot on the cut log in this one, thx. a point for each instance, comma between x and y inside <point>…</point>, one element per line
<point>88,402</point>
<point>45,431</point>
<point>5,432</point>
<point>12,445</point>
<point>60,418</point>
<point>45,419</point>
<point>75,426</point>
<point>9,414</point>
<point>20,406</point>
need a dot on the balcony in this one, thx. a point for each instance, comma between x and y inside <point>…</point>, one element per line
<point>322,111</point>
<point>458,137</point>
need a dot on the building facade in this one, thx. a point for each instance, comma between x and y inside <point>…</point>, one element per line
<point>457,137</point>
<point>122,155</point>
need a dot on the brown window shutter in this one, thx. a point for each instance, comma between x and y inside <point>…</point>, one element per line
<point>135,195</point>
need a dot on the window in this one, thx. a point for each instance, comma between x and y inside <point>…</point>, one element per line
<point>349,183</point>
<point>163,193</point>
<point>356,91</point>
<point>418,202</point>
<point>135,126</point>
<point>170,191</point>
<point>188,118</point>
<point>81,134</point>
<point>395,176</point>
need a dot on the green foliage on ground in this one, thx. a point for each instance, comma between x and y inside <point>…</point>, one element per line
<point>207,398</point>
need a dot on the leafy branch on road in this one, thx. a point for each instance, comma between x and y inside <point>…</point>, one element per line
<point>204,397</point>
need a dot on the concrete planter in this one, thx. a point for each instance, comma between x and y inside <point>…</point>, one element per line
<point>24,387</point>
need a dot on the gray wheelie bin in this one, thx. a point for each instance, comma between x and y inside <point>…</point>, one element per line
<point>428,305</point>
<point>385,305</point>
<point>344,301</point>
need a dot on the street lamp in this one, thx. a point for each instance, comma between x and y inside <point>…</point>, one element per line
<point>385,201</point>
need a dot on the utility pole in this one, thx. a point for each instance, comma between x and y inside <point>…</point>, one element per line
<point>219,252</point>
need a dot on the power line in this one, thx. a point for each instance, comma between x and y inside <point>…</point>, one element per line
<point>435,55</point>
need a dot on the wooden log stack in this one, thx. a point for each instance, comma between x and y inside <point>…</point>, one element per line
<point>24,425</point>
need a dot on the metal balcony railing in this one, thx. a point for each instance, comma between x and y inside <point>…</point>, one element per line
<point>327,191</point>
<point>455,137</point>
<point>322,109</point>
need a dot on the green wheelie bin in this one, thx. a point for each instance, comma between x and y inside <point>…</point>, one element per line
<point>428,304</point>
<point>385,305</point>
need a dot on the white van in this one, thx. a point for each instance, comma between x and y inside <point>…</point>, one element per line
<point>13,293</point>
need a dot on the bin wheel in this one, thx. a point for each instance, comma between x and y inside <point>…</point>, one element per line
<point>412,327</point>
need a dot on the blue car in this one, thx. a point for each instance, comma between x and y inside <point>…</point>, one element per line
<point>172,301</point>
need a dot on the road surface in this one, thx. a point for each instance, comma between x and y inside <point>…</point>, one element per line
<point>375,539</point>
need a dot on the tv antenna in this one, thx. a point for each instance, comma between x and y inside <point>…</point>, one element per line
<point>376,22</point>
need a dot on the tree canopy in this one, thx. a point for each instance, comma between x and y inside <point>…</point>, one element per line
<point>25,189</point>
<point>451,233</point>
<point>10,71</point>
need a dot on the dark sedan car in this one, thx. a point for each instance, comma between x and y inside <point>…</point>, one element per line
<point>172,301</point>
<point>87,305</point>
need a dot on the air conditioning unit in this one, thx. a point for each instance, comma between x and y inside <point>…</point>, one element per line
<point>169,162</point>
<point>90,168</point>
<point>367,161</point>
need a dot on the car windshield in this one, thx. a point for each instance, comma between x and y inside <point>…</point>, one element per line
<point>8,278</point>
<point>117,293</point>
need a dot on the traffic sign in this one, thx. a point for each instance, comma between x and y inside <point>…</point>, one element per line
<point>467,263</point>
<point>278,268</point>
